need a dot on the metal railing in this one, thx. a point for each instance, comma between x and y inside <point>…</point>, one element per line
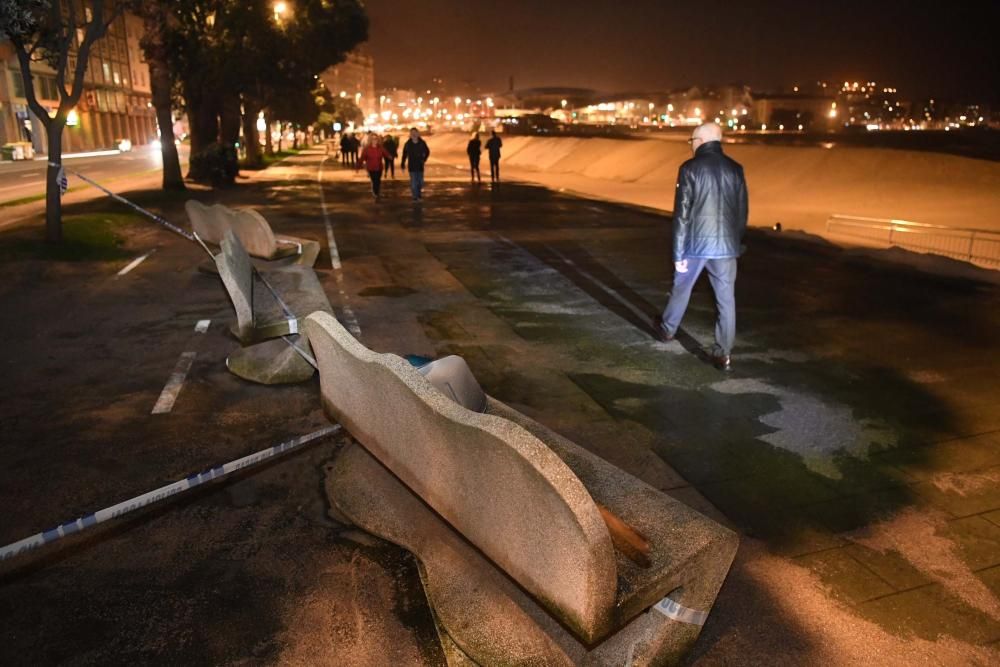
<point>976,246</point>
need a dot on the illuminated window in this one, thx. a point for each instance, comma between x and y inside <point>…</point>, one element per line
<point>18,84</point>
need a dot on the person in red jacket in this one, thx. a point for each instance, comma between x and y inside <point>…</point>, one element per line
<point>373,157</point>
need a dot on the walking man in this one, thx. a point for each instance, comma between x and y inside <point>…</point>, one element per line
<point>372,158</point>
<point>416,151</point>
<point>493,147</point>
<point>345,148</point>
<point>710,220</point>
<point>474,150</point>
<point>391,144</point>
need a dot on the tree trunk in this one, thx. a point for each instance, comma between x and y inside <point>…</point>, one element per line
<point>53,198</point>
<point>268,142</point>
<point>160,84</point>
<point>250,135</point>
<point>229,119</point>
<point>203,119</point>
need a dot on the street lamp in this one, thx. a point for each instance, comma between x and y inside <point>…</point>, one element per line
<point>280,9</point>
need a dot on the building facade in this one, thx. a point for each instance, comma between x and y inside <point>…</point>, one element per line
<point>115,104</point>
<point>354,78</point>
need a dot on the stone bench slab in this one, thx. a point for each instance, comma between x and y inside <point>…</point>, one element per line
<point>484,617</point>
<point>211,223</point>
<point>259,315</point>
<point>520,493</point>
<point>272,362</point>
<point>498,485</point>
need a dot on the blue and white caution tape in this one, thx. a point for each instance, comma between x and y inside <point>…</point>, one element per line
<point>152,216</point>
<point>193,236</point>
<point>76,525</point>
<point>676,611</point>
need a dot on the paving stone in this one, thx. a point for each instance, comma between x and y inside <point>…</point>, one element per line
<point>852,512</point>
<point>930,612</point>
<point>849,580</point>
<point>991,577</point>
<point>963,494</point>
<point>791,533</point>
<point>960,455</point>
<point>993,517</point>
<point>890,566</point>
<point>978,541</point>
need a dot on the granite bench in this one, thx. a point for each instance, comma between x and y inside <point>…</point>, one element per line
<point>254,232</point>
<point>262,318</point>
<point>531,549</point>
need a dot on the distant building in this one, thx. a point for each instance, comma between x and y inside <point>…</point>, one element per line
<point>794,112</point>
<point>115,103</point>
<point>354,78</point>
<point>867,104</point>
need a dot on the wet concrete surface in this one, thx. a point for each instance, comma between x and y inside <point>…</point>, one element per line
<point>862,421</point>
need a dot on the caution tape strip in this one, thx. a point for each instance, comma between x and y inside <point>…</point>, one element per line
<point>676,611</point>
<point>68,528</point>
<point>193,236</point>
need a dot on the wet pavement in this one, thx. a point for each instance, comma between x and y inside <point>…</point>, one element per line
<point>856,445</point>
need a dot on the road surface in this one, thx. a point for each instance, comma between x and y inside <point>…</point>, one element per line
<point>26,178</point>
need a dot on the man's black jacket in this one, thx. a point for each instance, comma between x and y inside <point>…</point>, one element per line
<point>710,206</point>
<point>416,153</point>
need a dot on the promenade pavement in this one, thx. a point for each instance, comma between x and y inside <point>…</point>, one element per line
<point>856,446</point>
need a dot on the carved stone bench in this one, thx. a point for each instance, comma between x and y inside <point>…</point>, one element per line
<point>263,318</point>
<point>531,549</point>
<point>212,222</point>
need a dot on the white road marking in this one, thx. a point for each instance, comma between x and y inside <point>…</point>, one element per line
<point>334,254</point>
<point>27,175</point>
<point>202,326</point>
<point>349,316</point>
<point>135,262</point>
<point>165,403</point>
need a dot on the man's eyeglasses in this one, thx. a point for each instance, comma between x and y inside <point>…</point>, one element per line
<point>694,139</point>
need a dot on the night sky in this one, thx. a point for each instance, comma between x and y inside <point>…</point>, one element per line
<point>950,51</point>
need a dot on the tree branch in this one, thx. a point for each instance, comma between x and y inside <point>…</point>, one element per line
<point>66,43</point>
<point>29,84</point>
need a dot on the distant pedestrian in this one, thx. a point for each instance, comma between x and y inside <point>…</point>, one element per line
<point>345,148</point>
<point>371,157</point>
<point>416,151</point>
<point>710,221</point>
<point>355,147</point>
<point>391,144</point>
<point>475,151</point>
<point>493,147</point>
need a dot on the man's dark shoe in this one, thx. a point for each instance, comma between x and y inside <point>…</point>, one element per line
<point>723,362</point>
<point>661,332</point>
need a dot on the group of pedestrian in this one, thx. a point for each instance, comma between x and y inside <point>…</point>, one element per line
<point>349,146</point>
<point>710,217</point>
<point>379,155</point>
<point>475,150</point>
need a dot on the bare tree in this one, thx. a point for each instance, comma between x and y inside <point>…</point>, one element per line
<point>59,33</point>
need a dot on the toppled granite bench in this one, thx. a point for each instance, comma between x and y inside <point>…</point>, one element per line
<point>531,549</point>
<point>263,319</point>
<point>212,222</point>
